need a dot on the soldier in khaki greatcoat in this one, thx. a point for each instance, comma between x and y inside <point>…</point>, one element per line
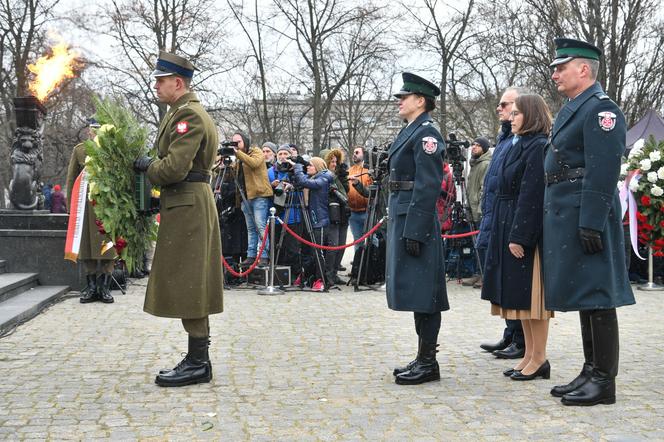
<point>98,279</point>
<point>186,277</point>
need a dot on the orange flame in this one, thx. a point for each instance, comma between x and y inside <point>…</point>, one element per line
<point>52,69</point>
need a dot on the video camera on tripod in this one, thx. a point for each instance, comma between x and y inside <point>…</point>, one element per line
<point>456,153</point>
<point>226,151</point>
<point>378,161</point>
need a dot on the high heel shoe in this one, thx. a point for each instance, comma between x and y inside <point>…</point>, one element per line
<point>544,372</point>
<point>509,372</point>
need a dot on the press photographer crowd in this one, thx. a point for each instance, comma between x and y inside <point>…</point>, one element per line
<point>533,220</point>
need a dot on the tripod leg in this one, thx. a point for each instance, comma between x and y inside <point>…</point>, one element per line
<point>307,225</point>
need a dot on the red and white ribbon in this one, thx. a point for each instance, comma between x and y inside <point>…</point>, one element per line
<point>78,198</point>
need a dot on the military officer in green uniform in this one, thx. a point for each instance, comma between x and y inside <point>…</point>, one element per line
<point>98,266</point>
<point>415,264</point>
<point>186,277</point>
<point>583,252</point>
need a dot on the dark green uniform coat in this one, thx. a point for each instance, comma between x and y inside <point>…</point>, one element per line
<point>581,137</point>
<point>186,276</point>
<point>91,239</point>
<point>416,284</point>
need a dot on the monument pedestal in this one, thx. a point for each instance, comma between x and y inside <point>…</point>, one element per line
<point>34,241</point>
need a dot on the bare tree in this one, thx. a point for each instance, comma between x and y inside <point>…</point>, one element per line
<point>443,38</point>
<point>334,39</point>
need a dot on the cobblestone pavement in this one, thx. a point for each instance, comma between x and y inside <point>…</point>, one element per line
<point>311,366</point>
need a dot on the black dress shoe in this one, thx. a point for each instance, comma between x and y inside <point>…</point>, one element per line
<point>544,371</point>
<point>500,345</point>
<point>582,378</point>
<point>509,372</point>
<point>513,351</point>
<point>599,389</point>
<point>398,370</point>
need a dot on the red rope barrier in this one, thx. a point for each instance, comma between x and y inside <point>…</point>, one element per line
<point>341,247</point>
<point>461,235</point>
<point>255,263</point>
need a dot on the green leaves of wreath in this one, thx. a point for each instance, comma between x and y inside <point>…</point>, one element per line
<point>118,142</point>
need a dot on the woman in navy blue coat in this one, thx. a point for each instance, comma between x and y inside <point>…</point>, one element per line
<point>513,278</point>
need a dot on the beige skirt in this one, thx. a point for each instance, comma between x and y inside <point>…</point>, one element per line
<point>537,308</point>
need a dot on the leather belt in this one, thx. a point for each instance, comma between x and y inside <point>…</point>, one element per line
<point>197,177</point>
<point>565,174</point>
<point>401,185</point>
<point>192,177</point>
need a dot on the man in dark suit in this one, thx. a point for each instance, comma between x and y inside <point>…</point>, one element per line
<point>583,251</point>
<point>415,264</point>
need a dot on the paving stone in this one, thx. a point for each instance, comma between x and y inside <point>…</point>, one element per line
<point>311,366</point>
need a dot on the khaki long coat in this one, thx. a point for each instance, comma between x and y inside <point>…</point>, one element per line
<point>186,277</point>
<point>91,239</point>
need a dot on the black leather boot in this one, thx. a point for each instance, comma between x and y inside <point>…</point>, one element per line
<point>411,364</point>
<point>587,340</point>
<point>104,288</point>
<point>601,387</point>
<point>89,293</point>
<point>195,368</point>
<point>425,369</point>
<point>207,356</point>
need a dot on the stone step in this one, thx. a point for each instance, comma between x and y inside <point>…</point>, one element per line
<point>11,284</point>
<point>28,304</point>
<point>3,266</point>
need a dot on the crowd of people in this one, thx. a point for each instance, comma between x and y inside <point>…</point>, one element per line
<point>317,197</point>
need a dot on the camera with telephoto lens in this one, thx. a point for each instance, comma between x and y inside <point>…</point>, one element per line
<point>455,151</point>
<point>226,148</point>
<point>284,166</point>
<point>297,159</point>
<point>378,161</point>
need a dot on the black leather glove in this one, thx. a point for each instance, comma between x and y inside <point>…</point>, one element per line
<point>413,247</point>
<point>141,164</point>
<point>591,241</point>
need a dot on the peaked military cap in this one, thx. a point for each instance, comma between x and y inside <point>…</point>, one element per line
<point>93,123</point>
<point>568,49</point>
<point>414,84</point>
<point>171,64</point>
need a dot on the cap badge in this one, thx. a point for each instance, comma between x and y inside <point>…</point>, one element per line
<point>607,121</point>
<point>182,127</point>
<point>430,145</point>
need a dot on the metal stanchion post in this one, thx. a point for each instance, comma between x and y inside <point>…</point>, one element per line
<point>650,285</point>
<point>270,289</point>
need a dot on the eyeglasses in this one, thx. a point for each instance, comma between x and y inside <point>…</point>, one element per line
<point>514,113</point>
<point>503,104</point>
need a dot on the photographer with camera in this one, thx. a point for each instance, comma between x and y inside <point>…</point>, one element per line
<point>255,187</point>
<point>317,180</point>
<point>358,194</point>
<point>287,202</point>
<point>338,210</point>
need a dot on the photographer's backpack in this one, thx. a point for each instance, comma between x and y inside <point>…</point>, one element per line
<point>374,261</point>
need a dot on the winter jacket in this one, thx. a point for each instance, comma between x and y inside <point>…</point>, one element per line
<point>319,187</point>
<point>478,169</point>
<point>251,166</point>
<point>356,201</point>
<point>490,187</point>
<point>58,202</point>
<point>294,216</point>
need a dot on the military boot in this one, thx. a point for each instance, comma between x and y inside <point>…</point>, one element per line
<point>411,364</point>
<point>425,369</point>
<point>104,288</point>
<point>207,356</point>
<point>195,368</point>
<point>89,293</point>
<point>601,387</point>
<point>582,378</point>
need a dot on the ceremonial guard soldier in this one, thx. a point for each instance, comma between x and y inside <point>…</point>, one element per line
<point>583,253</point>
<point>415,274</point>
<point>186,277</point>
<point>98,279</point>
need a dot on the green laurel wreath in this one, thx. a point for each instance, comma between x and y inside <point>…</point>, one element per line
<point>118,142</point>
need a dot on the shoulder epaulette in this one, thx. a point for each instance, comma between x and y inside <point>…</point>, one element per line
<point>602,96</point>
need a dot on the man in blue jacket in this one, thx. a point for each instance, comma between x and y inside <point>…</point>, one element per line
<point>512,345</point>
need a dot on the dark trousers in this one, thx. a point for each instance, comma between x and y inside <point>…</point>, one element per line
<point>427,326</point>
<point>514,330</point>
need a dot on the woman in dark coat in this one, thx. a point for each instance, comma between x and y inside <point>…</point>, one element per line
<point>513,278</point>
